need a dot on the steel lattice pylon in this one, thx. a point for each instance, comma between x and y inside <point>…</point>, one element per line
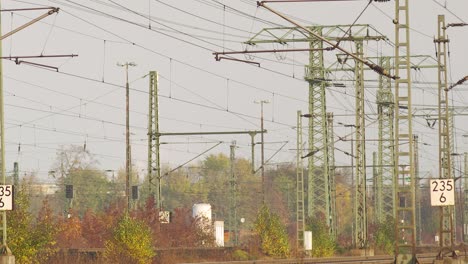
<point>318,180</point>
<point>360,204</point>
<point>386,154</point>
<point>405,218</point>
<point>445,167</point>
<point>154,168</point>
<point>319,197</point>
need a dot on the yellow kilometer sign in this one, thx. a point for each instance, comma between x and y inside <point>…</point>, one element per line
<point>442,192</point>
<point>6,197</point>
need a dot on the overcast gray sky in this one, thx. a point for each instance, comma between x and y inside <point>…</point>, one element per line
<point>85,100</point>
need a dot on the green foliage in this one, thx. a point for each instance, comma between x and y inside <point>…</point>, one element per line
<point>323,244</point>
<point>385,236</point>
<point>45,232</point>
<point>273,237</point>
<point>30,241</point>
<point>130,243</point>
<point>240,255</point>
<point>76,166</point>
<point>181,191</point>
<point>19,227</point>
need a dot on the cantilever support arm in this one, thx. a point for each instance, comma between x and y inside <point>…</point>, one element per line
<point>371,65</point>
<point>50,12</point>
<point>461,81</point>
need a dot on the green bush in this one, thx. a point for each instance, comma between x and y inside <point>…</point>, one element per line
<point>131,243</point>
<point>240,255</point>
<point>273,237</point>
<point>323,244</point>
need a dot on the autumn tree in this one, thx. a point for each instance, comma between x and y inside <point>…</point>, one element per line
<point>215,172</point>
<point>384,236</point>
<point>70,234</point>
<point>273,237</point>
<point>324,244</point>
<point>76,166</point>
<point>95,229</point>
<point>183,188</point>
<point>281,190</point>
<point>130,242</point>
<point>31,240</point>
<point>344,201</point>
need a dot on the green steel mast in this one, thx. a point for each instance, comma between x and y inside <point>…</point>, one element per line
<point>331,167</point>
<point>319,197</point>
<point>154,166</point>
<point>445,159</point>
<point>299,186</point>
<point>405,218</point>
<point>233,221</point>
<point>386,154</point>
<point>465,200</point>
<point>360,203</point>
<point>318,178</point>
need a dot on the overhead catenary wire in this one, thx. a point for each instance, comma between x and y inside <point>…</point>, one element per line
<point>346,97</point>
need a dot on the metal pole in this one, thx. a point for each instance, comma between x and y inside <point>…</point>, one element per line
<point>262,168</point>
<point>360,212</point>
<point>465,205</point>
<point>127,138</point>
<point>2,146</point>
<point>418,189</point>
<point>154,167</point>
<point>15,174</point>
<point>233,221</point>
<point>445,167</point>
<point>5,250</point>
<point>299,187</point>
<point>405,219</point>
<point>262,154</point>
<point>127,134</point>
<point>353,194</point>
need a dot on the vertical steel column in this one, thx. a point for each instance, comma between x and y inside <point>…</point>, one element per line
<point>233,221</point>
<point>318,178</point>
<point>405,218</point>
<point>15,174</point>
<point>154,166</point>
<point>452,153</point>
<point>451,130</point>
<point>360,203</point>
<point>465,200</point>
<point>418,189</point>
<point>299,186</point>
<point>386,148</point>
<point>331,176</point>
<point>4,246</point>
<point>445,163</point>
<point>376,189</point>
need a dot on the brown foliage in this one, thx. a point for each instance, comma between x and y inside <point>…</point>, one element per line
<point>95,229</point>
<point>70,232</point>
<point>182,231</point>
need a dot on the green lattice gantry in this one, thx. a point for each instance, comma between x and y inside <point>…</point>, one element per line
<point>320,198</point>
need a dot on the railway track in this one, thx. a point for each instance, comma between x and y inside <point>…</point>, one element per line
<point>422,258</point>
